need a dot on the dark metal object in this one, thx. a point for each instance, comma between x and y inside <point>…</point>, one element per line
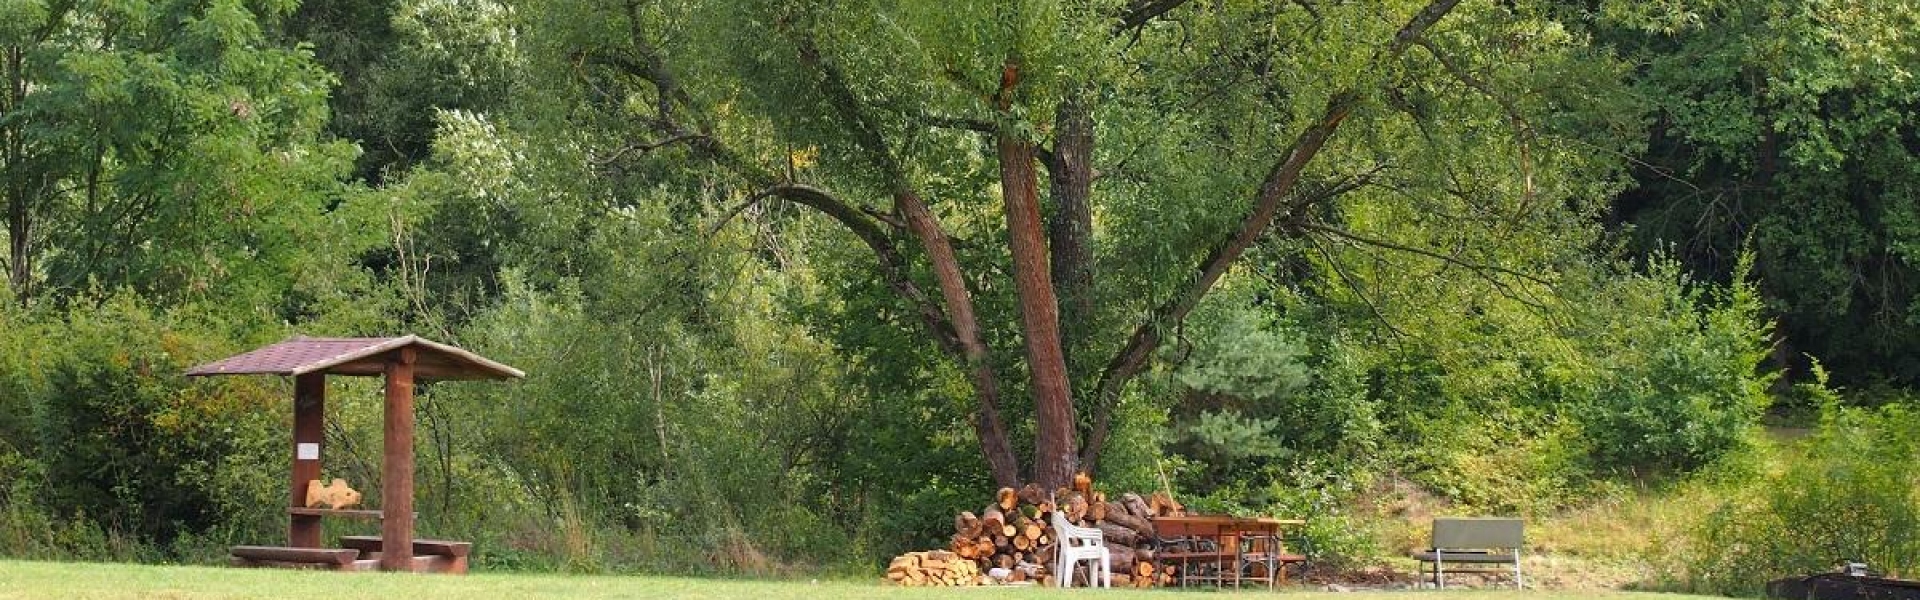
<point>1844,586</point>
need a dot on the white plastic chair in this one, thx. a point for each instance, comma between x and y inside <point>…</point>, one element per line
<point>1077,544</point>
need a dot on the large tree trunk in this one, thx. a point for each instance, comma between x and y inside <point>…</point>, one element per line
<point>1070,228</point>
<point>1054,456</point>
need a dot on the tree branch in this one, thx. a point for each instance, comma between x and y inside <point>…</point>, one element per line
<point>649,147</point>
<point>1380,243</point>
<point>1139,12</point>
<point>1354,284</point>
<point>974,354</point>
<point>1279,184</point>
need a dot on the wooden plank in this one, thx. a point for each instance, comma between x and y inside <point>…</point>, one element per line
<point>396,464</point>
<point>351,513</point>
<point>368,543</point>
<point>309,412</point>
<point>328,556</point>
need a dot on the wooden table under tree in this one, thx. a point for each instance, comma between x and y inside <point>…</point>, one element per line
<point>1225,549</point>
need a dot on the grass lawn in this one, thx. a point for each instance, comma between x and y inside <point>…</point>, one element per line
<point>95,580</point>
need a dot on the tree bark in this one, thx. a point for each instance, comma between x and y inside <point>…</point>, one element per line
<point>1055,436</point>
<point>1070,228</point>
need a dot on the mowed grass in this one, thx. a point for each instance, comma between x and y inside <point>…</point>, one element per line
<point>96,580</point>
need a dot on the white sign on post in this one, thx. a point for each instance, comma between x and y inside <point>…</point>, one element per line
<point>306,451</point>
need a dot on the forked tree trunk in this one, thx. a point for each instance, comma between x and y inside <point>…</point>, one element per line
<point>1054,456</point>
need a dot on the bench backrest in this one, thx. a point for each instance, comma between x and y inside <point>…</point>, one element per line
<point>1477,532</point>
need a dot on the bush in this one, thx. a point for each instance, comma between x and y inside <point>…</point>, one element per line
<point>120,442</point>
<point>1854,496</point>
<point>1683,390</point>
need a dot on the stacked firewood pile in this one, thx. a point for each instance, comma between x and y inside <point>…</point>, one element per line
<point>1012,540</point>
<point>938,567</point>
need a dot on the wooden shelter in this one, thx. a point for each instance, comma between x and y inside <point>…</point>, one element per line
<point>402,361</point>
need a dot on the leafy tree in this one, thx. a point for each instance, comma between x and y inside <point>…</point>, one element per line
<point>1173,137</point>
<point>1789,127</point>
<point>167,146</point>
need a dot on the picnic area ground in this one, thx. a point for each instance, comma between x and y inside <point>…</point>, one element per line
<point>26,579</point>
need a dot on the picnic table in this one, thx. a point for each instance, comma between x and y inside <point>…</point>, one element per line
<point>1224,548</point>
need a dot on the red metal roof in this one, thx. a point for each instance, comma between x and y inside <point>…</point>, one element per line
<point>357,356</point>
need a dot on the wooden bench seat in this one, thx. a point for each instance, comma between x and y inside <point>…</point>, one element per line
<point>421,547</point>
<point>338,557</point>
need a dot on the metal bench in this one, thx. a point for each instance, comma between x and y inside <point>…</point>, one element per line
<point>1473,541</point>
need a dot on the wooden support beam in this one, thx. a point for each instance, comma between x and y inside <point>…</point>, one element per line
<point>396,466</point>
<point>309,432</point>
<point>326,556</point>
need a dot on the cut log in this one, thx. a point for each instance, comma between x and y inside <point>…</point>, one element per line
<point>1032,493</point>
<point>1007,499</point>
<point>1164,505</point>
<point>1009,530</point>
<point>1116,534</point>
<point>1022,542</point>
<point>1123,518</point>
<point>991,520</point>
<point>1075,506</point>
<point>966,524</point>
<point>1097,507</point>
<point>1143,569</point>
<point>1032,531</point>
<point>1136,505</point>
<point>962,545</point>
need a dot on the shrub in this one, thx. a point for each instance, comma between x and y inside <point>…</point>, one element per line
<point>1682,390</point>
<point>1853,496</point>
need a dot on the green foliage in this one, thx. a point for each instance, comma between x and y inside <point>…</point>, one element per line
<point>1852,496</point>
<point>1786,128</point>
<point>117,445</point>
<point>1694,390</point>
<point>167,147</point>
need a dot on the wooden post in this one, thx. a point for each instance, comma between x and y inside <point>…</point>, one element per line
<point>309,415</point>
<point>396,466</point>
